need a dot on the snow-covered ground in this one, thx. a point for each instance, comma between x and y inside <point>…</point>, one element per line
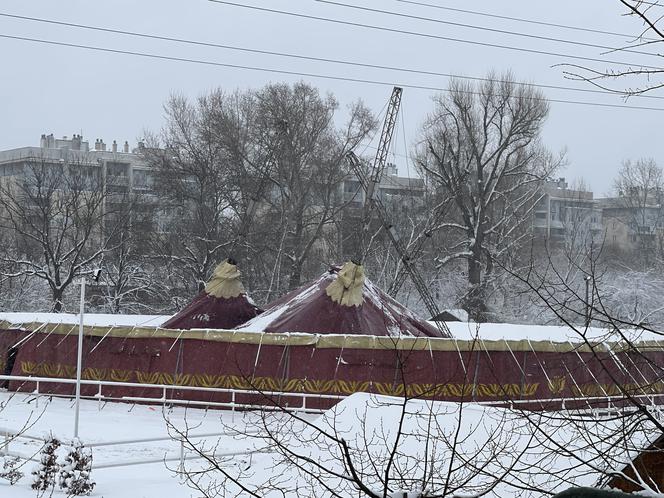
<point>116,422</point>
<point>497,438</point>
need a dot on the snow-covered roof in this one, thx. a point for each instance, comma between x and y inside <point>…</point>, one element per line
<point>89,319</point>
<point>223,304</point>
<point>460,330</point>
<point>555,333</point>
<point>313,309</point>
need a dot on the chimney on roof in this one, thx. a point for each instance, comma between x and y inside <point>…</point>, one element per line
<point>97,144</point>
<point>50,141</point>
<point>562,183</point>
<point>42,141</point>
<point>115,146</point>
<point>102,145</point>
<point>125,148</point>
<point>76,142</point>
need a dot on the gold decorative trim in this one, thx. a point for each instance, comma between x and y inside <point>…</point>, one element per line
<point>338,386</point>
<point>316,386</point>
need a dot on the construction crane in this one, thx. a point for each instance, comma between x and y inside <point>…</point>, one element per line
<point>371,184</point>
<point>372,203</point>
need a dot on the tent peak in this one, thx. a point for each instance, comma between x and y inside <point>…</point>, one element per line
<point>225,281</point>
<point>346,289</point>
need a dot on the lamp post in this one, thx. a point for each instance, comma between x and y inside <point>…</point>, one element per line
<point>79,357</point>
<point>587,278</point>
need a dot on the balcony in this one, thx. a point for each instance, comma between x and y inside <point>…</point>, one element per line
<point>119,180</point>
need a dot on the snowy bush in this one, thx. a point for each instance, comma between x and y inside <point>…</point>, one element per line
<point>48,466</point>
<point>74,477</point>
<point>10,470</point>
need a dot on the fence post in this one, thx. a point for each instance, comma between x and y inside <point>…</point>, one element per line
<point>181,467</point>
<point>37,394</point>
<point>99,398</point>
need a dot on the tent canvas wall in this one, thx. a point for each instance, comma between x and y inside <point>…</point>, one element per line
<point>432,368</point>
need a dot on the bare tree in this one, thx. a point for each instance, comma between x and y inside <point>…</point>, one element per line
<point>629,78</point>
<point>256,172</point>
<point>132,281</point>
<point>309,163</point>
<point>639,206</point>
<point>194,179</point>
<point>481,146</point>
<point>374,446</point>
<point>54,215</point>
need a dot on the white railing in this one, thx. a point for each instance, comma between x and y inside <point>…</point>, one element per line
<point>9,435</point>
<point>262,403</point>
<point>165,388</point>
<point>591,403</point>
<point>611,402</point>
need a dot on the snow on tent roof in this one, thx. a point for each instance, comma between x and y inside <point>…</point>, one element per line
<point>555,333</point>
<point>16,320</point>
<point>341,301</point>
<point>223,304</point>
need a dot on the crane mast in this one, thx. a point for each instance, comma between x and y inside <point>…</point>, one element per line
<point>372,183</point>
<point>372,203</point>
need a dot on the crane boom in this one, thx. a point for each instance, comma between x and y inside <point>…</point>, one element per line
<point>373,182</point>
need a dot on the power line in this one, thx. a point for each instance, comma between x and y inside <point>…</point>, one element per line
<point>484,28</point>
<point>304,74</point>
<point>296,56</point>
<point>429,35</point>
<point>522,19</point>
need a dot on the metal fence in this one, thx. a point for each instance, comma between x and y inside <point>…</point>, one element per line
<point>164,399</point>
<point>9,435</point>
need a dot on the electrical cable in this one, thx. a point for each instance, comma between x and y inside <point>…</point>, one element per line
<point>522,19</point>
<point>484,28</point>
<point>297,56</point>
<point>429,35</point>
<point>305,74</point>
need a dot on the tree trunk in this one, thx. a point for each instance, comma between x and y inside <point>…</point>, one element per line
<point>474,302</point>
<point>295,274</point>
<point>57,300</point>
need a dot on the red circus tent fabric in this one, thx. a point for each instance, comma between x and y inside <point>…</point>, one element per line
<point>223,304</point>
<point>341,301</point>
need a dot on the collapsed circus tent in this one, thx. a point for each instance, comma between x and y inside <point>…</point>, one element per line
<point>341,301</point>
<point>223,304</point>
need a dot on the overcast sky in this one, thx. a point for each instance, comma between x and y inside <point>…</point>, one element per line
<point>64,90</point>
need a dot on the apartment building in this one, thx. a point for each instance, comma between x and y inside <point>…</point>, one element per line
<point>634,221</point>
<point>122,170</point>
<point>563,213</point>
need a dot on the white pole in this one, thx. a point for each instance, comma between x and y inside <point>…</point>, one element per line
<point>79,358</point>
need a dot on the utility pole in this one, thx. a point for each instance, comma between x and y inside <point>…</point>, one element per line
<point>588,279</point>
<point>79,354</point>
<point>79,358</point>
